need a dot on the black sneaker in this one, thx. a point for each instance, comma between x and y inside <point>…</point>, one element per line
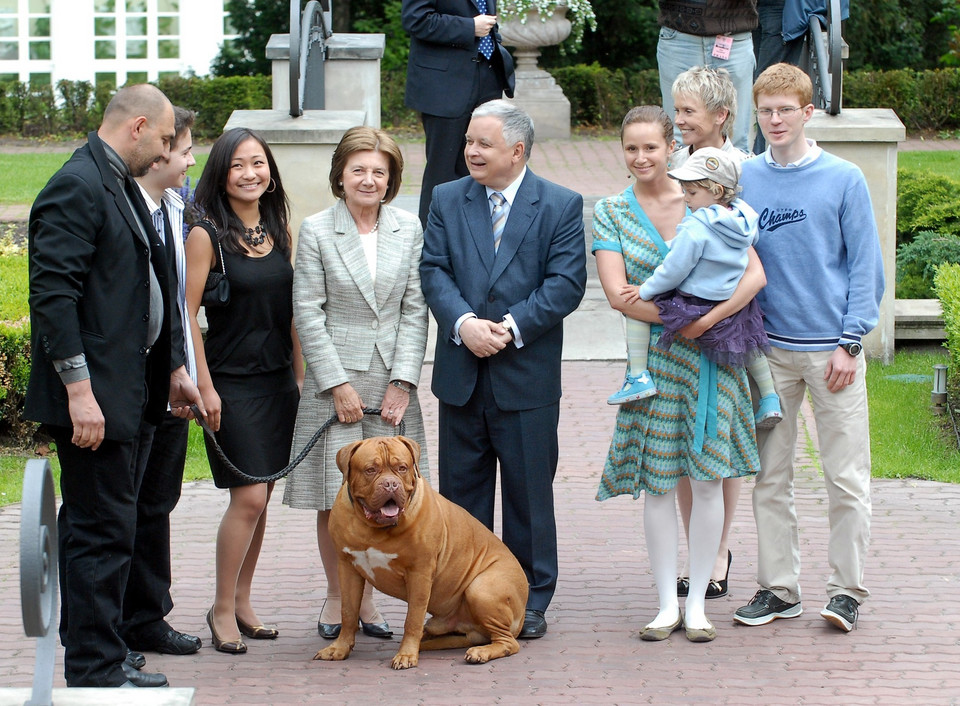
<point>842,612</point>
<point>764,608</point>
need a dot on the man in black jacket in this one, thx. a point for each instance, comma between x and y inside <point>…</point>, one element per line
<point>107,355</point>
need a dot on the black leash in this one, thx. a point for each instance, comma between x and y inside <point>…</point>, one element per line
<point>290,466</point>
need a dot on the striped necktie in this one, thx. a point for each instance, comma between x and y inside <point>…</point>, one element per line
<point>486,42</point>
<point>499,217</point>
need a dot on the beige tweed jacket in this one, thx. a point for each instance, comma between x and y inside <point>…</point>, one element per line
<point>341,331</point>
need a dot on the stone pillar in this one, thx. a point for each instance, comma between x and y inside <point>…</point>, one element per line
<point>352,73</point>
<point>303,148</point>
<point>868,137</point>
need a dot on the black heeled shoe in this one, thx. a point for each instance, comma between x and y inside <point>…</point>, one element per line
<point>718,589</point>
<point>328,631</point>
<point>381,630</point>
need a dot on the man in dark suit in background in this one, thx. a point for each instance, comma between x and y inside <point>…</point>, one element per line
<point>503,263</point>
<point>107,354</point>
<point>457,62</point>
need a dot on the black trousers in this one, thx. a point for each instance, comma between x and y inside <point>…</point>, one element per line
<point>147,599</point>
<point>473,439</point>
<point>96,527</point>
<point>445,136</point>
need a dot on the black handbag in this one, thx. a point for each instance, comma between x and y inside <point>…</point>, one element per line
<point>216,290</point>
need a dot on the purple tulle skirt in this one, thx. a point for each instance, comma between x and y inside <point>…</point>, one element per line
<point>736,340</point>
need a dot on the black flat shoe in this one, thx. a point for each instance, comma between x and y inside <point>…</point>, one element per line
<point>718,589</point>
<point>381,630</point>
<point>683,586</point>
<point>328,631</point>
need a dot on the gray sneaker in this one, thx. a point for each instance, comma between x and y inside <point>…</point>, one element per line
<point>841,611</point>
<point>764,608</point>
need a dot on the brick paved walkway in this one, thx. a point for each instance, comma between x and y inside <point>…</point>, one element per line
<point>906,650</point>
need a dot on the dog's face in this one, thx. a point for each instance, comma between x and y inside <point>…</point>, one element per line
<point>381,474</point>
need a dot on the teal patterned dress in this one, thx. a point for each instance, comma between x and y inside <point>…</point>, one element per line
<point>700,424</point>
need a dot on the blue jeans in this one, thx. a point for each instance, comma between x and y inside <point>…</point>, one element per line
<point>677,52</point>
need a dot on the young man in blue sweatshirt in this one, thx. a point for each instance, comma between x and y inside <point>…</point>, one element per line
<point>821,254</point>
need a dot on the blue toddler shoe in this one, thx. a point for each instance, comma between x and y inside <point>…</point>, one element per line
<point>635,387</point>
<point>768,413</point>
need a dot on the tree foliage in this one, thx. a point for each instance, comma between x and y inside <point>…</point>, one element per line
<point>254,21</point>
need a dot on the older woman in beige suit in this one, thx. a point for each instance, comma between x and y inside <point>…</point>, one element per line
<point>362,322</point>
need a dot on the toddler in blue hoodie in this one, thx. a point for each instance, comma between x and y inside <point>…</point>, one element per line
<point>707,259</point>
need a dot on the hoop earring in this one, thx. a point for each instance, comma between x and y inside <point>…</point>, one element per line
<point>272,184</point>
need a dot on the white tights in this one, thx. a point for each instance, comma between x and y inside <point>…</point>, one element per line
<point>660,529</point>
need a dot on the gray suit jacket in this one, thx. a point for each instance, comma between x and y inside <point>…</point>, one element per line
<point>342,330</point>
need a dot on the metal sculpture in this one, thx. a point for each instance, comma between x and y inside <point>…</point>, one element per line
<point>308,51</point>
<point>38,574</point>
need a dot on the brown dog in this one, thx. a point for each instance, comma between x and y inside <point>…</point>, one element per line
<point>393,530</point>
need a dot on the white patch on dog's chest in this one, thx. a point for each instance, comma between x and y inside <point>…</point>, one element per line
<point>369,559</point>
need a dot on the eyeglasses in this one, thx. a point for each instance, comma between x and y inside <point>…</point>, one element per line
<point>786,112</point>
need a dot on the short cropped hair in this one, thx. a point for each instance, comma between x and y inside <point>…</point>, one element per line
<point>517,125</point>
<point>714,87</point>
<point>182,120</point>
<point>784,79</point>
<point>723,194</point>
<point>649,114</point>
<point>363,138</point>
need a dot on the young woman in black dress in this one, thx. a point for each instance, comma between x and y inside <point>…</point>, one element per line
<point>249,368</point>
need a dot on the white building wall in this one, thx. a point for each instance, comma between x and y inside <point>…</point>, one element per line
<point>73,38</point>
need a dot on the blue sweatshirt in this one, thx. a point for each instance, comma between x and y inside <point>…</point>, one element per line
<point>820,250</point>
<point>708,255</point>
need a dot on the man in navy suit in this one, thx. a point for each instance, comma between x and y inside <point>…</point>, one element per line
<point>503,263</point>
<point>456,63</point>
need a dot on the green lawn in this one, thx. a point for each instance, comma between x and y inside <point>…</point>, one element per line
<point>906,439</point>
<point>945,163</point>
<point>23,175</point>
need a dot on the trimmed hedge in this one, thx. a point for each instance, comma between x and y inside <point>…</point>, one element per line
<point>33,111</point>
<point>599,97</point>
<point>14,346</point>
<point>947,284</point>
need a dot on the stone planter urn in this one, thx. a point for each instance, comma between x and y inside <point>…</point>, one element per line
<point>536,91</point>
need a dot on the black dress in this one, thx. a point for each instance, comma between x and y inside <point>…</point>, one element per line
<point>249,350</point>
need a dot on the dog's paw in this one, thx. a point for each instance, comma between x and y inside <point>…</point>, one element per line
<point>477,655</point>
<point>332,653</point>
<point>405,660</point>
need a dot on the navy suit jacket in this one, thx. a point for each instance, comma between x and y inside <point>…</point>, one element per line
<point>538,276</point>
<point>89,293</point>
<point>442,51</point>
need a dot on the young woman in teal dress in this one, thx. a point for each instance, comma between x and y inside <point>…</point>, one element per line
<point>700,425</point>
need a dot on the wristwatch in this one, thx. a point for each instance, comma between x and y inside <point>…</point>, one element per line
<point>852,348</point>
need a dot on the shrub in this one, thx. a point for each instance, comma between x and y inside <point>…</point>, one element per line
<point>918,260</point>
<point>926,202</point>
<point>947,285</point>
<point>14,345</point>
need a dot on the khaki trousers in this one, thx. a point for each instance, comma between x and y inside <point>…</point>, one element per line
<point>844,433</point>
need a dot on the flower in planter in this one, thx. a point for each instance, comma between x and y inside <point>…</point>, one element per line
<point>579,12</point>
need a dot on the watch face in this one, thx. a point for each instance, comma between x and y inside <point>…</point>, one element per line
<point>853,348</point>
